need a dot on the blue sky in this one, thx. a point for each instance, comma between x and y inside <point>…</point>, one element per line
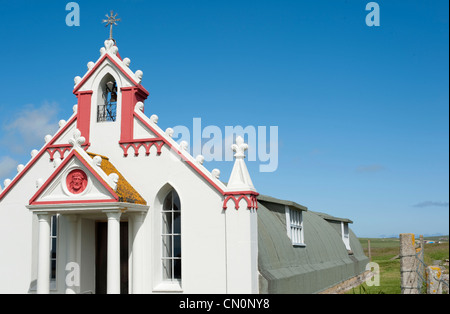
<point>362,112</point>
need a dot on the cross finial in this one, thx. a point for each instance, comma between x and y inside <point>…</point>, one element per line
<point>112,20</point>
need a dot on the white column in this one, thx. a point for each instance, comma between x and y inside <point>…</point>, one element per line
<point>72,279</point>
<point>43,276</point>
<point>137,253</point>
<point>113,255</point>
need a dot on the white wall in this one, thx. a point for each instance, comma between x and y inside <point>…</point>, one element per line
<point>17,233</point>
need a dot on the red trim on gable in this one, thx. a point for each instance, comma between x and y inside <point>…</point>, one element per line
<point>75,154</point>
<point>32,162</point>
<point>76,202</point>
<point>63,129</point>
<point>97,65</point>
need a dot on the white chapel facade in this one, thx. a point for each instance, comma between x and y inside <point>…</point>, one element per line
<point>112,204</point>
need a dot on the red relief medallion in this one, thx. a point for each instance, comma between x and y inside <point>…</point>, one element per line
<point>76,181</point>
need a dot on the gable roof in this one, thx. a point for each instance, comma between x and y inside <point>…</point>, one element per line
<point>110,52</point>
<point>122,191</point>
<point>35,158</point>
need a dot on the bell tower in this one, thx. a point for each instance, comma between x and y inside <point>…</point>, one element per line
<point>107,95</point>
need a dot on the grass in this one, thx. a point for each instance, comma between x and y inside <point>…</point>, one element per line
<point>383,253</point>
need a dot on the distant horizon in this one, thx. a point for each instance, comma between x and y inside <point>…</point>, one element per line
<point>361,110</point>
<point>398,236</point>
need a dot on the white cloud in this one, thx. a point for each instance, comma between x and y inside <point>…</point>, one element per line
<point>30,126</point>
<point>7,164</point>
<point>431,204</point>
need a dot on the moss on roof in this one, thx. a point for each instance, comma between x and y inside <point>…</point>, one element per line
<point>125,191</point>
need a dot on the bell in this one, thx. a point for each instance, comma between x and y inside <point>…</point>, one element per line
<point>113,97</point>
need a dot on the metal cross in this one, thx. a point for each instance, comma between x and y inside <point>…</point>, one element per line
<point>111,21</point>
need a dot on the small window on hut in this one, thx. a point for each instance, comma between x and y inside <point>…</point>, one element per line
<point>345,235</point>
<point>294,223</point>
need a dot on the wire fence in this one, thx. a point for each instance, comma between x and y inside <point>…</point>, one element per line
<point>425,278</point>
<point>420,271</point>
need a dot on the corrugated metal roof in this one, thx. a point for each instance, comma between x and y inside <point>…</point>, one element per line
<point>274,200</point>
<point>322,263</point>
<point>332,218</point>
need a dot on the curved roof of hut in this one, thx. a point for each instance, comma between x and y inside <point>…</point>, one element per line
<point>322,263</point>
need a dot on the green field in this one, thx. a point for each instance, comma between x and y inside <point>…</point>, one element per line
<point>383,252</point>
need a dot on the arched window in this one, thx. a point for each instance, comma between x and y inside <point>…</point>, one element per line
<point>107,106</point>
<point>171,237</point>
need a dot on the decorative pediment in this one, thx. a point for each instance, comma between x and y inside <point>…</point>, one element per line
<point>76,181</point>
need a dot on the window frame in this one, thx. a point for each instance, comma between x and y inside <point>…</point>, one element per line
<point>345,231</point>
<point>294,226</point>
<point>172,234</point>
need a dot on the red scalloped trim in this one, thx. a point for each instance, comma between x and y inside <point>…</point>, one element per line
<point>251,198</point>
<point>62,149</point>
<point>147,143</point>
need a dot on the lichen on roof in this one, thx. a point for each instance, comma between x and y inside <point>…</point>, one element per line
<point>125,191</point>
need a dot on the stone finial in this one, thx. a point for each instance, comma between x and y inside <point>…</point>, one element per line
<point>77,80</point>
<point>62,123</point>
<point>239,148</point>
<point>90,65</point>
<point>139,74</point>
<point>139,106</point>
<point>48,138</point>
<point>75,108</point>
<point>97,161</point>
<point>20,168</point>
<point>216,173</point>
<point>240,178</point>
<point>114,50</point>
<point>34,153</point>
<point>184,145</point>
<point>7,182</point>
<point>154,118</point>
<point>126,62</point>
<point>77,140</point>
<point>109,43</point>
<point>114,177</point>
<point>169,132</point>
<point>200,159</point>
